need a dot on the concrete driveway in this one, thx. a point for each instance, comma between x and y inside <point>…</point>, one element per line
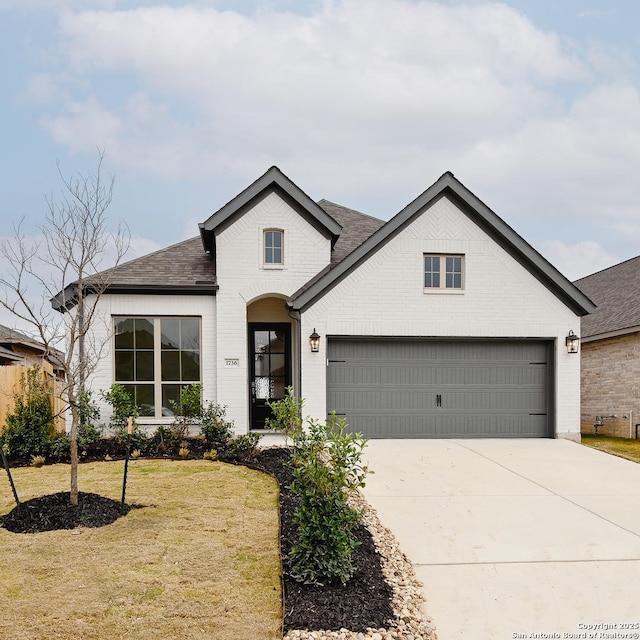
<point>514,538</point>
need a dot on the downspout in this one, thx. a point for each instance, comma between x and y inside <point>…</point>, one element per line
<point>298,321</point>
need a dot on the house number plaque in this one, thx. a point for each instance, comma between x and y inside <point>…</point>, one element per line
<point>232,362</point>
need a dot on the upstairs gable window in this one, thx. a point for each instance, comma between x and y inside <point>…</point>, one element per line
<point>443,272</point>
<point>273,247</point>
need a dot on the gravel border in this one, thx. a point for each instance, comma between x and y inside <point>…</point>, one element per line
<point>410,623</point>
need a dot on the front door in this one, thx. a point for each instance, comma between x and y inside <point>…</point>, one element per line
<point>270,353</point>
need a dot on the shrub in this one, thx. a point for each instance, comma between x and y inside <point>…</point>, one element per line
<point>88,436</point>
<point>37,461</point>
<point>188,411</point>
<point>326,468</point>
<point>30,426</point>
<point>212,455</point>
<point>163,440</point>
<point>123,407</point>
<point>243,447</point>
<point>287,414</point>
<point>215,428</point>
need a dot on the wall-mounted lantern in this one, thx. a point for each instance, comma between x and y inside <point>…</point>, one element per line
<point>572,342</point>
<point>314,341</point>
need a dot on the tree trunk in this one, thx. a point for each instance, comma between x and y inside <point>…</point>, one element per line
<point>73,449</point>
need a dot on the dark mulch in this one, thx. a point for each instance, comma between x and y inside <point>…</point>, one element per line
<point>364,602</point>
<point>54,512</point>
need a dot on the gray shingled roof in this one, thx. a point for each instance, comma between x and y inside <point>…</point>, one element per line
<point>186,266</point>
<point>356,228</point>
<point>616,292</point>
<point>9,336</point>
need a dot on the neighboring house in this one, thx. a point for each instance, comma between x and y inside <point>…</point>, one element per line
<point>441,322</point>
<point>610,357</point>
<point>18,353</point>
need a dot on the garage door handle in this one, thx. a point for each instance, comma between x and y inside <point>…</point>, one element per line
<point>438,400</point>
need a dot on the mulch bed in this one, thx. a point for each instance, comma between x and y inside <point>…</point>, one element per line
<point>365,602</point>
<point>55,512</point>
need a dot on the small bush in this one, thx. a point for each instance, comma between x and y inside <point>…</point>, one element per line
<point>37,461</point>
<point>163,441</point>
<point>212,455</point>
<point>215,428</point>
<point>243,447</point>
<point>123,407</point>
<point>286,414</point>
<point>327,467</point>
<point>183,452</point>
<point>188,411</point>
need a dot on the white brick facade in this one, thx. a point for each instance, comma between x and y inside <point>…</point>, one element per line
<point>385,297</point>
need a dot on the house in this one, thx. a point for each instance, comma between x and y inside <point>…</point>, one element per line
<point>611,351</point>
<point>441,322</point>
<point>18,353</point>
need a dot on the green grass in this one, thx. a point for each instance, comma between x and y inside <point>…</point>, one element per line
<point>623,447</point>
<point>200,560</point>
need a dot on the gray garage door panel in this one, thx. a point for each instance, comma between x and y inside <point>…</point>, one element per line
<point>419,388</point>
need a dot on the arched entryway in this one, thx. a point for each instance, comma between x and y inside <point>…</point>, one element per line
<point>270,332</point>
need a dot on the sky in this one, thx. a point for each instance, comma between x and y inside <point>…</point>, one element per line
<point>534,105</point>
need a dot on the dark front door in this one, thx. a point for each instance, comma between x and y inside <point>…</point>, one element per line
<point>270,353</point>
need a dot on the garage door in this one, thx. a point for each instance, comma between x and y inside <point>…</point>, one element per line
<point>390,388</point>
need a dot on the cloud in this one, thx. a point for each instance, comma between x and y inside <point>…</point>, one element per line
<point>362,107</point>
<point>229,91</point>
<point>578,260</point>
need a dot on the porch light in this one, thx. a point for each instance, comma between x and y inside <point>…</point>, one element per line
<point>572,342</point>
<point>314,341</point>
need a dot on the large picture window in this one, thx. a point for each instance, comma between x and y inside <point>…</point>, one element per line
<point>154,358</point>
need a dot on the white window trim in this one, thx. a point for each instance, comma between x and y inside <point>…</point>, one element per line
<point>443,289</point>
<point>272,265</point>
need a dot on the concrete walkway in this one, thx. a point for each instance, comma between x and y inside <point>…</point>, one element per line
<point>514,538</point>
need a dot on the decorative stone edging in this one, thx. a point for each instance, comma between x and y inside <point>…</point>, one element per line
<point>410,622</point>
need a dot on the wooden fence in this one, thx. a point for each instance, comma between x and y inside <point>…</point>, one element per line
<point>10,389</point>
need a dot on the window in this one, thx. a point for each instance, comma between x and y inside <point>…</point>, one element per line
<point>154,358</point>
<point>273,247</point>
<point>434,265</point>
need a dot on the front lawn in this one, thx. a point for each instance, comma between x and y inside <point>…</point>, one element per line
<point>199,560</point>
<point>623,447</point>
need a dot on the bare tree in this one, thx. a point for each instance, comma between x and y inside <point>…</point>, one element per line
<point>65,264</point>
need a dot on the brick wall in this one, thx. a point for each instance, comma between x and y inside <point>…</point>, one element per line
<point>385,297</point>
<point>610,384</point>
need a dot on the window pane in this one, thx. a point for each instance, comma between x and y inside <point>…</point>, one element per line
<point>144,399</point>
<point>170,337</point>
<point>190,334</point>
<point>276,344</point>
<point>171,365</point>
<point>277,388</point>
<point>273,247</point>
<point>124,365</point>
<point>124,333</point>
<point>432,271</point>
<point>190,365</point>
<point>144,333</point>
<point>144,365</point>
<point>262,365</point>
<point>454,272</point>
<point>277,364</point>
<point>170,394</point>
<point>261,341</point>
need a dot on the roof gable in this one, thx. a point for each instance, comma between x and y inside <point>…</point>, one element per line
<point>271,181</point>
<point>447,185</point>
